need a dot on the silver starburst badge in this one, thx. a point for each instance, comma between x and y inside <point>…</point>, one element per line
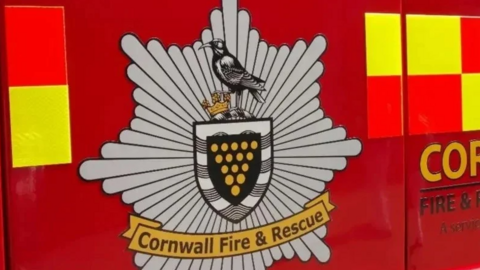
<point>219,179</point>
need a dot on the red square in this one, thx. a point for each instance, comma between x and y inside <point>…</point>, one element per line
<point>35,46</point>
<point>384,106</point>
<point>470,45</point>
<point>434,104</point>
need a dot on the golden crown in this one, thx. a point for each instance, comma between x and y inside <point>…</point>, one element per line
<point>218,105</point>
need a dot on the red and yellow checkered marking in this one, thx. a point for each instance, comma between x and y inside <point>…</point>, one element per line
<point>384,75</point>
<point>38,87</point>
<point>443,69</point>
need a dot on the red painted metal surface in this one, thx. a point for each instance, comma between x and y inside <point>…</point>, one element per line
<point>56,221</point>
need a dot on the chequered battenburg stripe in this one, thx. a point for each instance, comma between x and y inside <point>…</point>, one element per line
<point>384,75</point>
<point>443,64</point>
<point>38,86</point>
<point>443,73</point>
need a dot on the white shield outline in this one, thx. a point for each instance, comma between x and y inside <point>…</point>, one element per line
<point>220,206</point>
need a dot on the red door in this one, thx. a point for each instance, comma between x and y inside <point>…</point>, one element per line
<point>109,131</point>
<point>441,105</point>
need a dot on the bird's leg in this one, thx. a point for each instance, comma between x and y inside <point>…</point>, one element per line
<point>239,99</point>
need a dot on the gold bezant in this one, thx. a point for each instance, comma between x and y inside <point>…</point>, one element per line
<point>229,180</point>
<point>244,145</point>
<point>214,148</point>
<point>241,178</point>
<point>235,190</point>
<point>224,147</point>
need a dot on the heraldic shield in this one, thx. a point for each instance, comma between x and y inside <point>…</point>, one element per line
<point>233,165</point>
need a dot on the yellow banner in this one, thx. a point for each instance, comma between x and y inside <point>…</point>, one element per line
<point>147,236</point>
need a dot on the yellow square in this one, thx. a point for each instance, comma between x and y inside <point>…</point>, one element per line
<point>470,101</point>
<point>433,45</point>
<point>40,125</point>
<point>383,44</point>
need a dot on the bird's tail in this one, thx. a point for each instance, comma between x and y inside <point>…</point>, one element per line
<point>258,97</point>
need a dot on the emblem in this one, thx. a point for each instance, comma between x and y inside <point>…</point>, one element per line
<point>228,155</point>
<point>233,165</point>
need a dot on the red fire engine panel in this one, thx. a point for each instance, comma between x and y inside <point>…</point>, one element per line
<point>240,134</point>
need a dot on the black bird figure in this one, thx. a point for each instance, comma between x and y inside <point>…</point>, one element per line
<point>230,72</point>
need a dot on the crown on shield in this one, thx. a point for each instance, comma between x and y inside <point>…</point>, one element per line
<point>220,103</point>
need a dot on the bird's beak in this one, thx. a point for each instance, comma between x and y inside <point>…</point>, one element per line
<point>205,46</point>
